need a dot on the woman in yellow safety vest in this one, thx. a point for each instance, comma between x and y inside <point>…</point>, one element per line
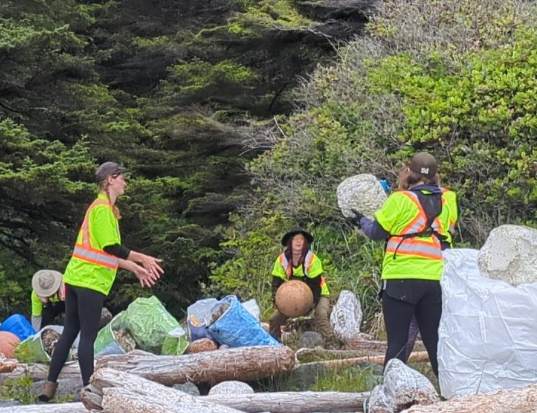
<point>447,226</point>
<point>412,222</point>
<point>91,272</point>
<point>297,262</point>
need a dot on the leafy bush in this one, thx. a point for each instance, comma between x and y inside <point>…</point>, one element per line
<point>456,78</point>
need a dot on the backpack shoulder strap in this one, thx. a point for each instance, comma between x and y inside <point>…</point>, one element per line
<point>431,204</point>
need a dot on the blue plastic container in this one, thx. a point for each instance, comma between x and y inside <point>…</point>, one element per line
<point>18,325</point>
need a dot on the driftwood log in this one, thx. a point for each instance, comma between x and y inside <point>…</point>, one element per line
<point>144,390</point>
<point>521,400</point>
<point>119,400</point>
<point>283,402</point>
<point>360,349</point>
<point>244,363</point>
<point>292,402</point>
<point>39,371</point>
<point>319,354</point>
<point>7,364</point>
<point>47,408</point>
<point>418,357</point>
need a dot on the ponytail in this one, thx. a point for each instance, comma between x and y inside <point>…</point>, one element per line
<point>104,188</point>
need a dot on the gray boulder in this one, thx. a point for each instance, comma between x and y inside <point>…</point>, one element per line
<point>67,389</point>
<point>310,339</point>
<point>10,403</point>
<point>188,388</point>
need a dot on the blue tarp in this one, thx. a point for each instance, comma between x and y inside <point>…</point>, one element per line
<point>238,328</point>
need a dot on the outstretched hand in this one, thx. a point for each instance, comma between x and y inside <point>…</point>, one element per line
<point>146,278</point>
<point>152,265</point>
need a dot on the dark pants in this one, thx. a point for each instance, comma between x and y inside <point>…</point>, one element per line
<point>413,332</point>
<point>401,300</point>
<point>51,311</point>
<point>321,318</point>
<point>82,314</point>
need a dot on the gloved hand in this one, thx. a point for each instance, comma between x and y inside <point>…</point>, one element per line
<point>357,214</point>
<point>357,217</point>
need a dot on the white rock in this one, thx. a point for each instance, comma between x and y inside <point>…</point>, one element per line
<point>402,386</point>
<point>510,254</point>
<point>363,192</point>
<point>231,387</point>
<point>346,317</point>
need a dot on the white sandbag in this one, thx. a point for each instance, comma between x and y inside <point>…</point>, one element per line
<point>402,386</point>
<point>363,192</point>
<point>488,338</point>
<point>346,317</point>
<point>510,254</point>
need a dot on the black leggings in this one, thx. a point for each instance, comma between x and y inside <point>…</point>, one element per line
<point>400,303</point>
<point>50,312</point>
<point>82,314</point>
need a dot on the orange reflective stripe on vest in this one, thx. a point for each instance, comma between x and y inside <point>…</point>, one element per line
<point>412,246</point>
<point>429,248</point>
<point>84,251</point>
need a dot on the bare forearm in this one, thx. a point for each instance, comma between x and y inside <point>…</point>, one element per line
<point>127,265</point>
<point>136,256</point>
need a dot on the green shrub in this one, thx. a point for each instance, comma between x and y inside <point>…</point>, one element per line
<point>456,78</point>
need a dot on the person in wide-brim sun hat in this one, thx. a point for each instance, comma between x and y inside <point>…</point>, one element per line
<point>46,282</point>
<point>47,298</point>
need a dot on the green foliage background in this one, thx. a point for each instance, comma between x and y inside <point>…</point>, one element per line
<point>237,122</point>
<point>456,78</point>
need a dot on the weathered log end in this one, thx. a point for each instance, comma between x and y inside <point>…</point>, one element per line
<point>91,397</point>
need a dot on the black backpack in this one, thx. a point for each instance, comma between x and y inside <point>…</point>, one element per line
<point>432,205</point>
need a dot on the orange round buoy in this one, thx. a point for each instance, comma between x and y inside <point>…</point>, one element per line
<point>294,298</point>
<point>203,344</point>
<point>8,343</point>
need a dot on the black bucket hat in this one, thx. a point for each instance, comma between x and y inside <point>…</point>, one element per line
<point>296,231</point>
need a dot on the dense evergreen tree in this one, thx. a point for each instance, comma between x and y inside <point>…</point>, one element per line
<point>168,88</point>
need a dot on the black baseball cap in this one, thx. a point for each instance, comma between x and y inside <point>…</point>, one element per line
<point>425,164</point>
<point>109,169</point>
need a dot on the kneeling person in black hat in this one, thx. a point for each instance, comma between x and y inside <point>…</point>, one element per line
<point>297,262</point>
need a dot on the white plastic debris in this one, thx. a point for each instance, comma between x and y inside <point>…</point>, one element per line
<point>346,317</point>
<point>252,307</point>
<point>510,254</point>
<point>488,334</point>
<point>363,192</point>
<point>403,387</point>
